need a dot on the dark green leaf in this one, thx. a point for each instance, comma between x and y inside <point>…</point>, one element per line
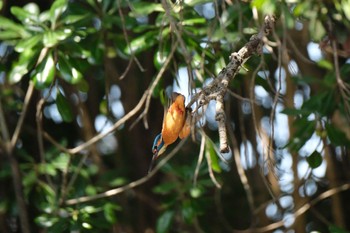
<point>165,188</point>
<point>164,221</point>
<point>64,108</point>
<point>336,229</point>
<point>188,212</point>
<point>314,160</point>
<point>336,136</point>
<point>45,72</point>
<point>295,112</point>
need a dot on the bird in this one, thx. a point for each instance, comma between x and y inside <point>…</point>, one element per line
<point>176,124</point>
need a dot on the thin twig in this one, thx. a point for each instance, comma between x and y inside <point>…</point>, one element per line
<point>200,159</point>
<point>119,190</point>
<point>19,125</point>
<point>305,207</point>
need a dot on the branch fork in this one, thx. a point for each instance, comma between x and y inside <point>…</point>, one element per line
<point>216,90</point>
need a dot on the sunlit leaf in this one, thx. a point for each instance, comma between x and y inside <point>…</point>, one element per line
<point>325,64</point>
<point>47,169</point>
<point>210,153</point>
<point>20,13</point>
<point>26,61</point>
<point>314,160</point>
<point>61,161</point>
<point>145,8</point>
<point>67,71</point>
<point>7,24</point>
<point>142,43</point>
<point>57,8</point>
<point>64,107</point>
<point>45,72</point>
<point>86,225</point>
<point>28,43</point>
<point>109,212</point>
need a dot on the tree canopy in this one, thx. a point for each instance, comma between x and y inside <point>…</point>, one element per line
<point>84,86</point>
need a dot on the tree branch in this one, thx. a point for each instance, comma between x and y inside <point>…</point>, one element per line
<point>217,88</point>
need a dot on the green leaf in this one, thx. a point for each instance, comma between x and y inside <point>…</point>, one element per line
<point>314,160</point>
<point>210,153</point>
<point>8,25</point>
<point>316,29</point>
<point>67,71</point>
<point>188,212</point>
<point>346,8</point>
<point>295,112</point>
<point>9,35</point>
<point>50,39</point>
<point>64,107</point>
<point>336,136</point>
<point>23,14</point>
<point>325,64</point>
<point>56,10</point>
<point>268,7</point>
<point>141,43</point>
<point>45,72</point>
<point>26,61</point>
<point>47,169</point>
<point>28,43</point>
<point>61,161</point>
<point>336,229</point>
<point>164,221</point>
<point>160,57</point>
<point>165,188</point>
<point>109,212</point>
<point>145,8</point>
<point>70,19</point>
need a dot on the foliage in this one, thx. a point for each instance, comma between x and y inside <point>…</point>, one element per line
<point>90,62</point>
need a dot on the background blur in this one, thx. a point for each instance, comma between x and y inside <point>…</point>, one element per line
<point>75,71</point>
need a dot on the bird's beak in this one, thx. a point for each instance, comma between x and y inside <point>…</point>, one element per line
<point>155,156</point>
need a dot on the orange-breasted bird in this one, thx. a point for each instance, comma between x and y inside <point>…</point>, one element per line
<point>176,123</point>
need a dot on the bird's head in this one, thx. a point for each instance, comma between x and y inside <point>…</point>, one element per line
<point>158,148</point>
